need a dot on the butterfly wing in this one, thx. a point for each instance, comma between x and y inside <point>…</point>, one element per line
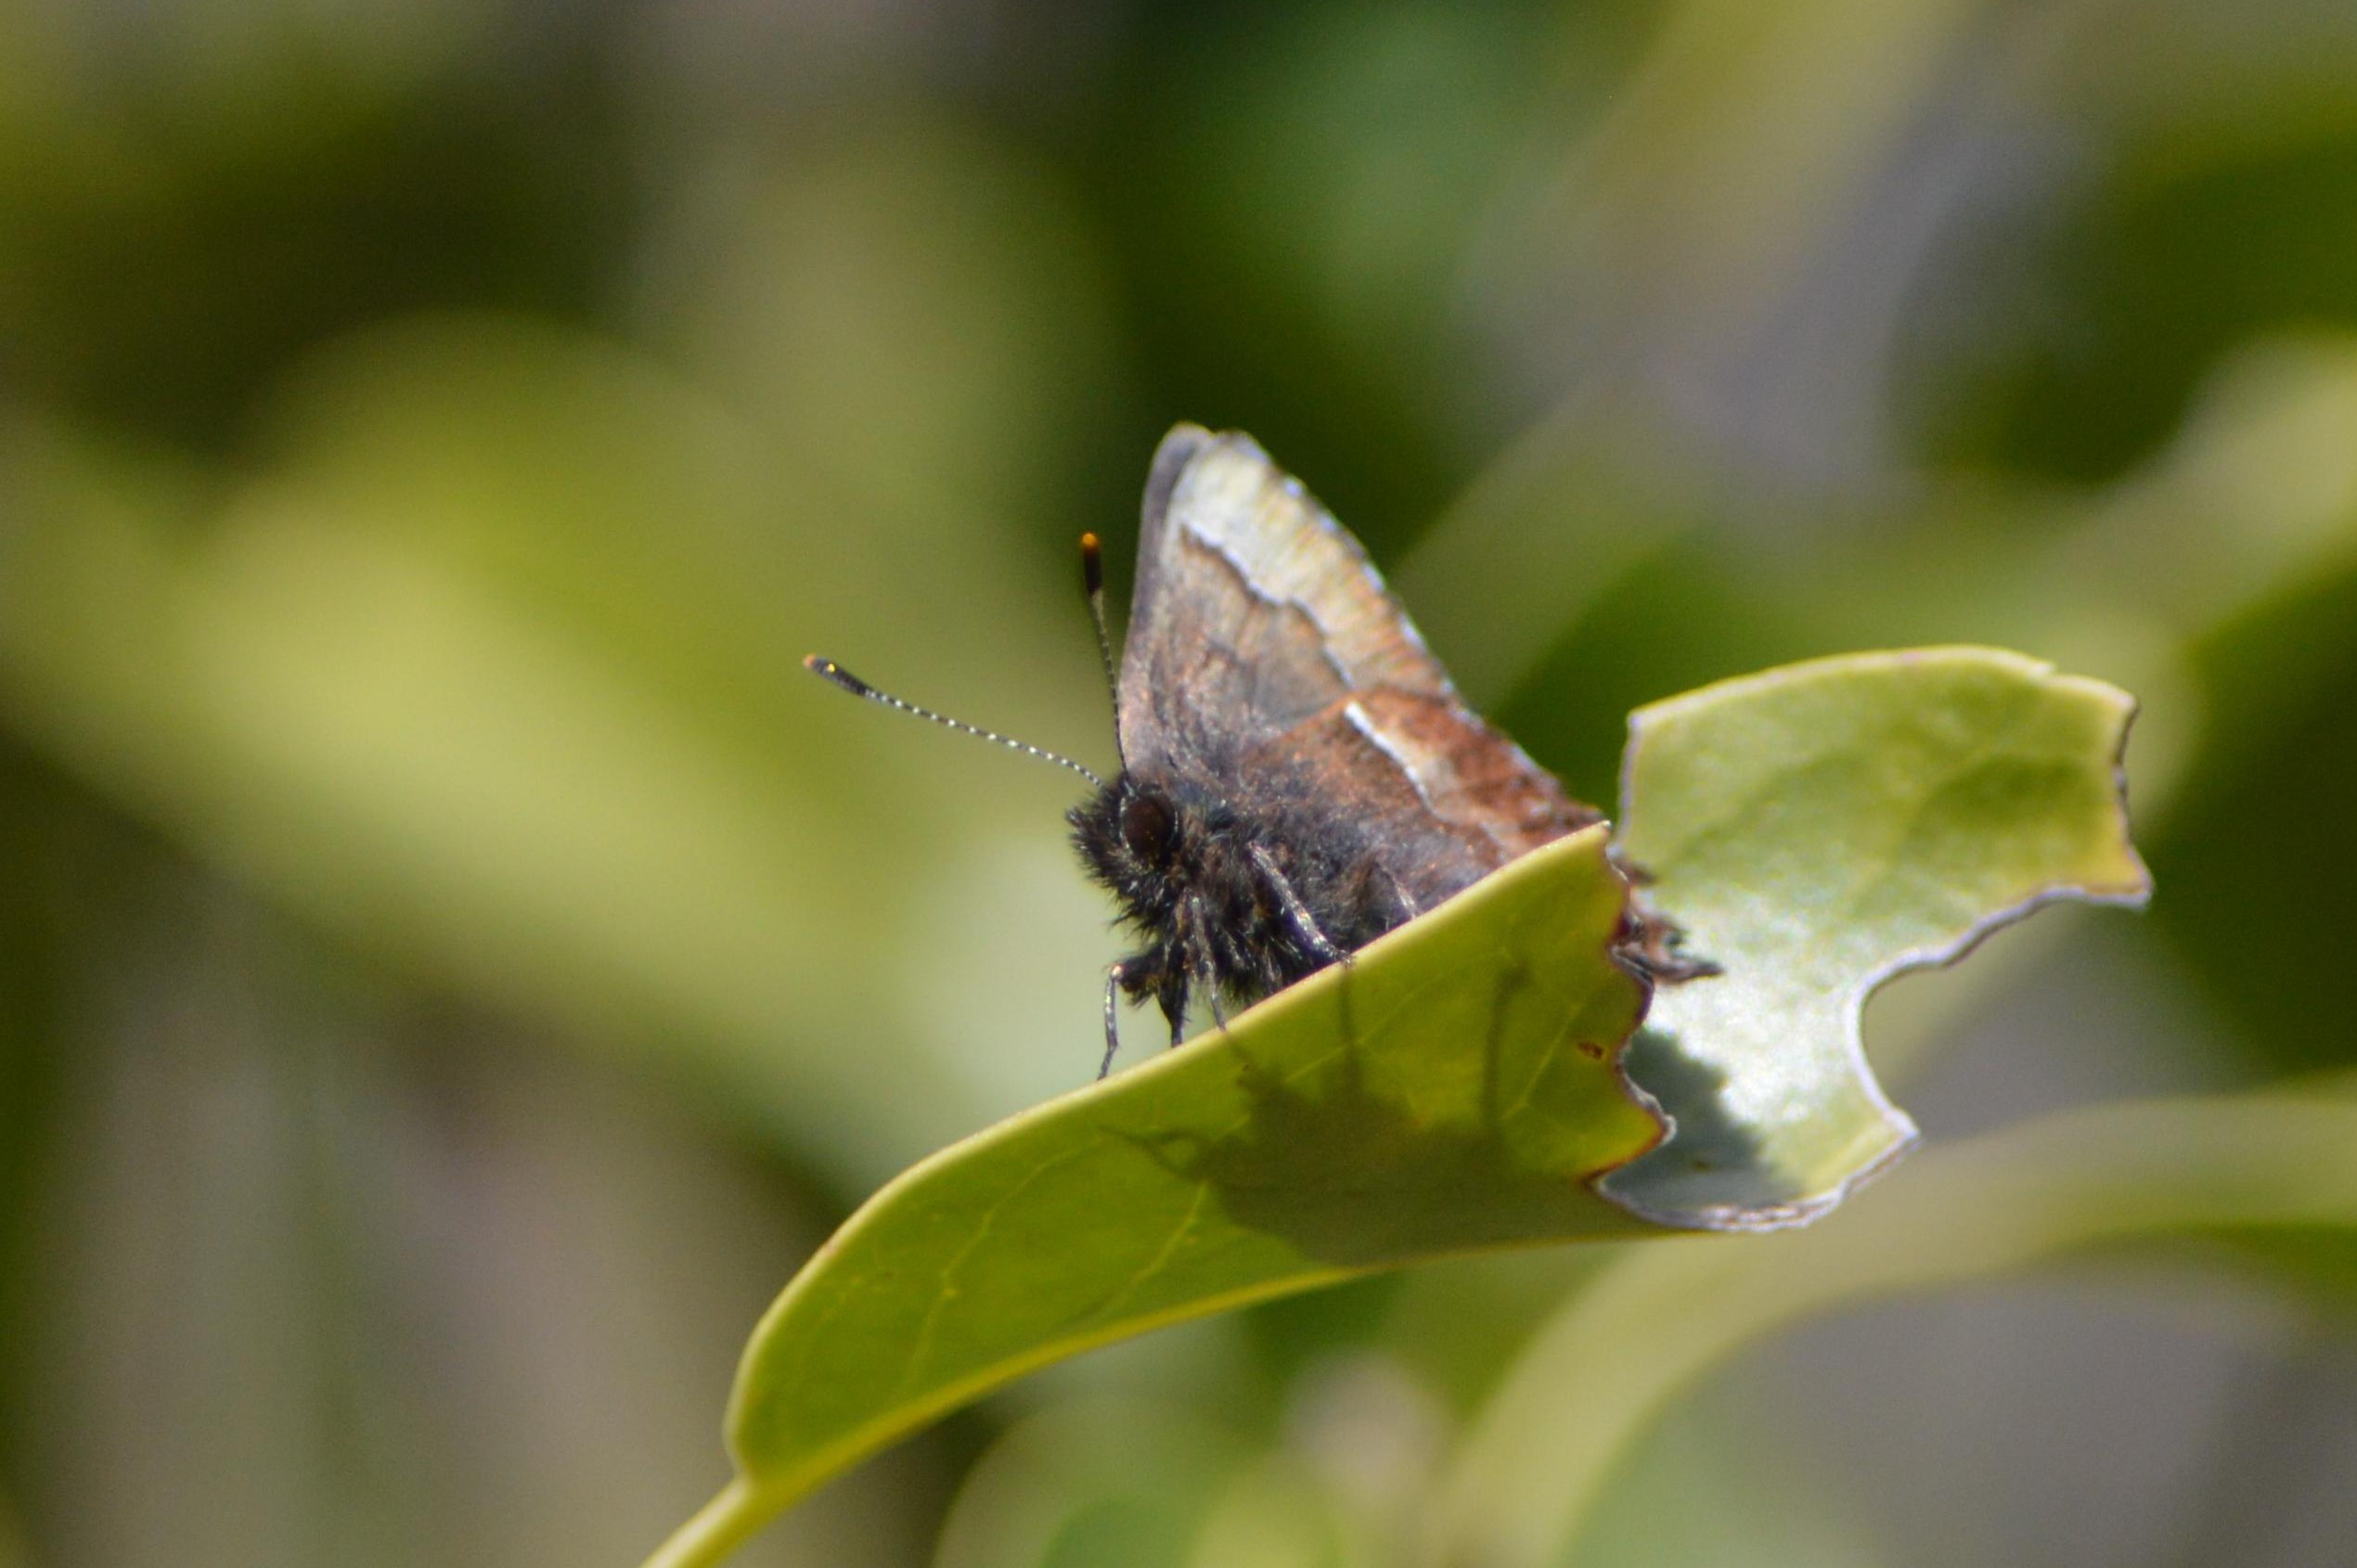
<point>1265,652</point>
<point>1252,610</point>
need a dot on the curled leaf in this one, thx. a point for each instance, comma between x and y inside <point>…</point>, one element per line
<point>1816,830</point>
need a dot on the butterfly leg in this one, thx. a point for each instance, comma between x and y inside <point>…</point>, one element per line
<point>1173,997</point>
<point>1206,958</point>
<point>1297,914</point>
<point>1112,1018</point>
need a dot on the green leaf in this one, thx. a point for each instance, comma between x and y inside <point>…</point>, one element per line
<point>1454,1088</point>
<point>1815,831</point>
<point>1461,1086</point>
<point>1539,1454</point>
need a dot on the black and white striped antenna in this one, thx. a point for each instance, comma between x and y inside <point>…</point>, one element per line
<point>836,674</point>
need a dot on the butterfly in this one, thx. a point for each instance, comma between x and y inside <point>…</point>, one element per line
<point>1298,774</point>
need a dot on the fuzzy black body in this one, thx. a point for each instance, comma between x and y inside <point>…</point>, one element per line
<point>1299,776</point>
<point>1211,884</point>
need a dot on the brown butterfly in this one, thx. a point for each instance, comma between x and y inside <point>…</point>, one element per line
<point>1299,775</point>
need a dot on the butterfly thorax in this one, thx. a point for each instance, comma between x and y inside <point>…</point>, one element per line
<point>1230,896</point>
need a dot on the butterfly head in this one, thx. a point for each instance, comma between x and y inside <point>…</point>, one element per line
<point>1134,836</point>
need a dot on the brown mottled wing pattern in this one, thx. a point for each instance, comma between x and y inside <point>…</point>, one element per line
<point>1263,645</point>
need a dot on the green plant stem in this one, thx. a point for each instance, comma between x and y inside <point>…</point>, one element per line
<point>717,1528</point>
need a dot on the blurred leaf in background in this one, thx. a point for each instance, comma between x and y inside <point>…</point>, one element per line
<point>454,964</point>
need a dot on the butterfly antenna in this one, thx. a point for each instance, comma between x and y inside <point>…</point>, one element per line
<point>836,674</point>
<point>1093,582</point>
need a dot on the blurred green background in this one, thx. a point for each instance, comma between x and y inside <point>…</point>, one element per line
<point>454,964</point>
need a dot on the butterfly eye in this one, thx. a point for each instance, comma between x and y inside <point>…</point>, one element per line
<point>1145,828</point>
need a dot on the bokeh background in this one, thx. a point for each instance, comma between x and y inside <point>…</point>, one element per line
<point>453,963</point>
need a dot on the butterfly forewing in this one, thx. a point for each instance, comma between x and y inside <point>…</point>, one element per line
<point>1266,658</point>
